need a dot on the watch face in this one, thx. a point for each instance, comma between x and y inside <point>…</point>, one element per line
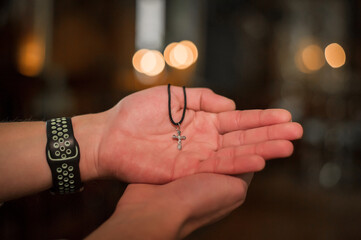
<point>63,154</point>
<point>61,145</point>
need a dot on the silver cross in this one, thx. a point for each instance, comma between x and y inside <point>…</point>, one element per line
<point>179,138</point>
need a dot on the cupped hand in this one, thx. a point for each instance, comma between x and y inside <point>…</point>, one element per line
<point>137,145</point>
<point>174,210</point>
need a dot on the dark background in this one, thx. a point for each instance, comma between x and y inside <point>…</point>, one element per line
<point>247,52</point>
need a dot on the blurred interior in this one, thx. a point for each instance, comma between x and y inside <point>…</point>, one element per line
<point>64,58</point>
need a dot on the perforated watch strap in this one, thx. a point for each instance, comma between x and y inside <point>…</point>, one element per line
<point>63,156</point>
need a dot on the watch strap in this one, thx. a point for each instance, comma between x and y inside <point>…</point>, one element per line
<point>63,156</point>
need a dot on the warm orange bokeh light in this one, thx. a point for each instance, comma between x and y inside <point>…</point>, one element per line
<point>167,52</point>
<point>137,57</point>
<point>335,55</point>
<point>31,56</point>
<point>312,57</point>
<point>181,55</point>
<point>193,48</point>
<point>148,62</point>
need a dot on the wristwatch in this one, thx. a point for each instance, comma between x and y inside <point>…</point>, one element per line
<point>63,156</point>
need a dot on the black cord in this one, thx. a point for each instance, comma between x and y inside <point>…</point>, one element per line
<point>169,106</point>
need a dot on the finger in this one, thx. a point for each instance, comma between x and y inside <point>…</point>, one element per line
<point>286,131</point>
<point>205,198</point>
<point>267,150</point>
<point>240,120</point>
<point>231,164</point>
<point>203,99</point>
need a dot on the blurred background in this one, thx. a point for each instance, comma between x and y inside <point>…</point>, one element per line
<point>64,58</point>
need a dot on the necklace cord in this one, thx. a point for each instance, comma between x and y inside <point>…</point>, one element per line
<point>169,106</point>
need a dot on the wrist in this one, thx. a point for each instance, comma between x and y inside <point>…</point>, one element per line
<point>134,221</point>
<point>158,220</point>
<point>87,131</point>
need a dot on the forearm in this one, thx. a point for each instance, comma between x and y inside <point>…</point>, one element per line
<point>23,166</point>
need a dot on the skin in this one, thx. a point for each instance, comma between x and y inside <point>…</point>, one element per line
<point>133,142</point>
<point>173,210</point>
<point>219,138</point>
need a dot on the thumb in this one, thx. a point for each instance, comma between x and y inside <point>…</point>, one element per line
<point>204,99</point>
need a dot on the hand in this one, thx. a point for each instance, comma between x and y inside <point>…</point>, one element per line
<point>174,210</point>
<point>135,137</point>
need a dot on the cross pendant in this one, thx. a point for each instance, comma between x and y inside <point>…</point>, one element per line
<point>179,138</point>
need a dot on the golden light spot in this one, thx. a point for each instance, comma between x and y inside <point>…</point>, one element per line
<point>335,55</point>
<point>31,56</point>
<point>148,62</point>
<point>137,57</point>
<point>312,57</point>
<point>193,49</point>
<point>167,52</point>
<point>181,55</point>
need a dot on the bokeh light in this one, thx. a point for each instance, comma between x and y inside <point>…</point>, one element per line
<point>335,55</point>
<point>137,57</point>
<point>312,57</point>
<point>330,175</point>
<point>31,56</point>
<point>181,55</point>
<point>193,49</point>
<point>148,62</point>
<point>167,52</point>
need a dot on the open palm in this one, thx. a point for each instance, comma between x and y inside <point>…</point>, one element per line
<point>137,145</point>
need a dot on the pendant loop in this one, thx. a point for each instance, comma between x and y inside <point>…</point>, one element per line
<point>179,136</point>
<point>170,109</point>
